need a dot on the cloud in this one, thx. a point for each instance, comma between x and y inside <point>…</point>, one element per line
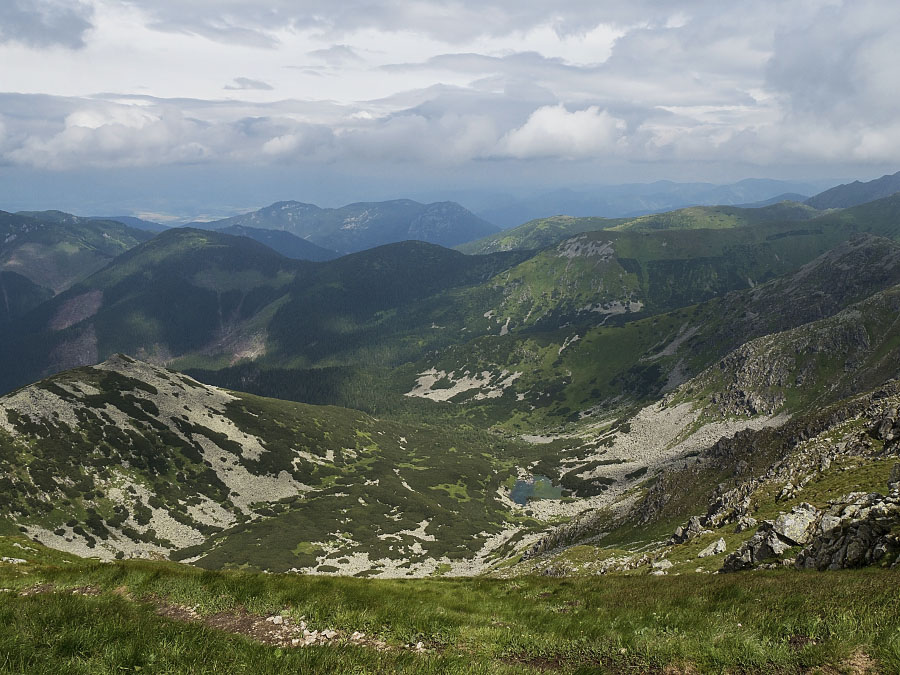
<point>451,22</point>
<point>242,83</point>
<point>464,83</point>
<point>336,55</point>
<point>45,23</point>
<point>553,131</point>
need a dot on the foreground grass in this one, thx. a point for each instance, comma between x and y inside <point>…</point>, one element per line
<point>781,621</point>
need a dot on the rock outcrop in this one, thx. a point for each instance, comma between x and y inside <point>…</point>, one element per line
<point>761,547</point>
<point>854,531</point>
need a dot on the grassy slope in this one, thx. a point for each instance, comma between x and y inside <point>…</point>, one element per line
<point>784,621</point>
<point>544,232</point>
<point>19,295</point>
<point>287,244</point>
<point>537,234</point>
<point>452,329</point>
<point>390,306</point>
<point>720,217</point>
<point>56,253</point>
<point>622,364</point>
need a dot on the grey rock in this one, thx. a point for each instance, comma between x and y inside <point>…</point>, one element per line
<point>686,532</point>
<point>894,480</point>
<point>714,548</point>
<point>746,523</point>
<point>798,526</point>
<point>762,546</point>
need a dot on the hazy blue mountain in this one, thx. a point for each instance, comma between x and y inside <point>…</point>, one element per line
<point>356,227</point>
<point>621,201</point>
<point>855,193</point>
<point>287,244</point>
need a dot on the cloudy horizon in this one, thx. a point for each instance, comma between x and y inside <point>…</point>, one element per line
<point>346,101</point>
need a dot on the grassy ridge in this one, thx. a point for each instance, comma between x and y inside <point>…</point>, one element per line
<point>55,250</point>
<point>537,234</point>
<point>784,621</point>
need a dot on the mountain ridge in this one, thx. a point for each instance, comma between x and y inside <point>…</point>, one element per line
<point>363,225</point>
<point>856,193</point>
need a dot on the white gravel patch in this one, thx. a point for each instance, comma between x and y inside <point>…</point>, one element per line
<point>488,384</point>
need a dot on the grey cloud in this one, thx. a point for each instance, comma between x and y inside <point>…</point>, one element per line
<point>715,85</point>
<point>842,65</point>
<point>241,83</point>
<point>45,23</point>
<point>460,21</point>
<point>669,82</point>
<point>336,55</point>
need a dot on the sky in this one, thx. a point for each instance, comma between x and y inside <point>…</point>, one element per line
<point>173,108</point>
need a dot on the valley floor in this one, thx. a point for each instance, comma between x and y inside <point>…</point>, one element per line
<point>67,615</point>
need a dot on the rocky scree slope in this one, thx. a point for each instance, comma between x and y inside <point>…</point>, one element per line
<point>817,492</point>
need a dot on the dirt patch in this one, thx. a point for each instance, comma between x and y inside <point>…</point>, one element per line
<point>277,630</point>
<point>542,663</point>
<point>859,663</point>
<point>37,590</point>
<point>798,642</point>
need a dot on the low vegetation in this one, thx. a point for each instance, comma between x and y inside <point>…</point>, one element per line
<point>158,617</point>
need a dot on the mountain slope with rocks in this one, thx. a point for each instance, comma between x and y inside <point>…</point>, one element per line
<point>128,459</point>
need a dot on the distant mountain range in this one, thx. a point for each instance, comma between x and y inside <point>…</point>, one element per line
<point>287,244</point>
<point>631,200</point>
<point>356,227</point>
<point>855,193</point>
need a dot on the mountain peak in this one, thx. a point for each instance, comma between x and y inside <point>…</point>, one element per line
<point>363,225</point>
<point>855,193</point>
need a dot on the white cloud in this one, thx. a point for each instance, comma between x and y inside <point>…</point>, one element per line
<point>553,131</point>
<point>245,83</point>
<point>440,84</point>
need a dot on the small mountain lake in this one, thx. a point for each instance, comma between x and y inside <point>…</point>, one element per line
<point>536,487</point>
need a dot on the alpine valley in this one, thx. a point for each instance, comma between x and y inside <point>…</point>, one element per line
<point>666,443</point>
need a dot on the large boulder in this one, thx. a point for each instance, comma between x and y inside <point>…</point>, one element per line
<point>714,548</point>
<point>799,526</point>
